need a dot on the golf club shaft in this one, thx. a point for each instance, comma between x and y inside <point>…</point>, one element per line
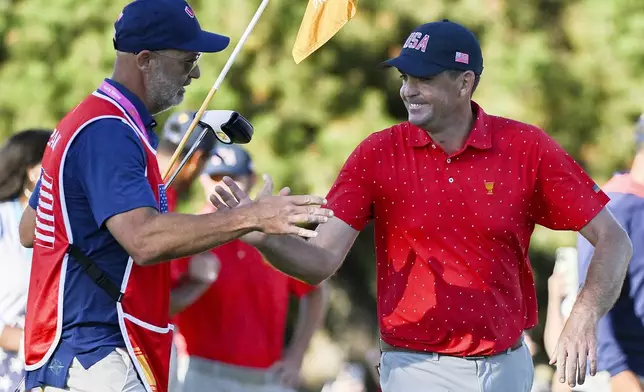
<point>187,157</point>
<point>215,87</point>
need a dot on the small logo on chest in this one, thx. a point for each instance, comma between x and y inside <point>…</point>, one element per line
<point>489,187</point>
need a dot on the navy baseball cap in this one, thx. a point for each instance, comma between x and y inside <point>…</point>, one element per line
<point>436,47</point>
<point>229,160</point>
<point>163,24</point>
<point>175,129</point>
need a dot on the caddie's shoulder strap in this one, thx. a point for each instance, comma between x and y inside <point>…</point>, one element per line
<point>95,273</point>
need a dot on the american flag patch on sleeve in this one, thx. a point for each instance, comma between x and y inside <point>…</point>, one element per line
<point>596,188</point>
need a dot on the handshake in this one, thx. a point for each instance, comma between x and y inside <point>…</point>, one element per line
<point>272,214</point>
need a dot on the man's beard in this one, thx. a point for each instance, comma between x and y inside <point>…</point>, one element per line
<point>162,93</point>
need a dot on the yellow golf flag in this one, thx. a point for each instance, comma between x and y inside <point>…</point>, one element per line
<point>322,20</point>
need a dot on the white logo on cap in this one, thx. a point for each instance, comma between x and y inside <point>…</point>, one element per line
<point>224,156</point>
<point>189,12</point>
<point>414,41</point>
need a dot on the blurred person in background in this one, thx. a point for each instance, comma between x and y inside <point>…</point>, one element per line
<point>234,333</point>
<point>620,332</point>
<point>203,268</point>
<point>20,158</point>
<point>455,194</point>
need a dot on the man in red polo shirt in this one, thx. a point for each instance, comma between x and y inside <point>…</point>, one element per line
<point>234,332</point>
<point>455,194</point>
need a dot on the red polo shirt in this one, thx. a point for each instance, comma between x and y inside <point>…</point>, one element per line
<point>452,231</point>
<point>241,318</point>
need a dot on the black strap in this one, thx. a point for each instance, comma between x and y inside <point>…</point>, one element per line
<point>95,273</point>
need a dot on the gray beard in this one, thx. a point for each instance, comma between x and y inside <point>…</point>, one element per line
<point>162,94</point>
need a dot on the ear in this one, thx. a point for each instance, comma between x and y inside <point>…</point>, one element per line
<point>467,83</point>
<point>143,60</point>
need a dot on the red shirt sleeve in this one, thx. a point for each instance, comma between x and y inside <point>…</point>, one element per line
<point>299,288</point>
<point>351,196</point>
<point>565,197</point>
<point>178,270</point>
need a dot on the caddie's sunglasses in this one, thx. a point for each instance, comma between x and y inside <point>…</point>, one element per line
<point>188,65</point>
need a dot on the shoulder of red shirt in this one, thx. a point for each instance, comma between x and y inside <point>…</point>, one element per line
<point>485,129</point>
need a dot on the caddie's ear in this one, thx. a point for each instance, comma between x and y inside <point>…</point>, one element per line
<point>143,60</point>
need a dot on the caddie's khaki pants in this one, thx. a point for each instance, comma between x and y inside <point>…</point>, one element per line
<point>115,372</point>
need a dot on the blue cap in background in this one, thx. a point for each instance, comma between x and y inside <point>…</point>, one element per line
<point>163,24</point>
<point>176,127</point>
<point>436,47</point>
<point>229,160</point>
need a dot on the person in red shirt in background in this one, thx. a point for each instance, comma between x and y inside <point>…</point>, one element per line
<point>203,268</point>
<point>234,333</point>
<point>455,194</point>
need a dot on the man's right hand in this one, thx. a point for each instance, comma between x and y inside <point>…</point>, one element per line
<point>274,214</point>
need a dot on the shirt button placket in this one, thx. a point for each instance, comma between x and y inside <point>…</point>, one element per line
<point>450,179</point>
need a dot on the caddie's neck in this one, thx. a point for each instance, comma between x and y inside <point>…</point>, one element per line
<point>126,72</point>
<point>451,130</point>
<point>637,169</point>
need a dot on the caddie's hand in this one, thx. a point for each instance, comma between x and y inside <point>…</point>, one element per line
<point>255,238</point>
<point>275,214</point>
<point>235,198</point>
<point>577,345</point>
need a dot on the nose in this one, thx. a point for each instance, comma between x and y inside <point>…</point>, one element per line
<point>195,73</point>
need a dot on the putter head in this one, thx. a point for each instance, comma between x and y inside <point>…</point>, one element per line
<point>229,126</point>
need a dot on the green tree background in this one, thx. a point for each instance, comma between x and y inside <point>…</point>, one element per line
<point>572,67</point>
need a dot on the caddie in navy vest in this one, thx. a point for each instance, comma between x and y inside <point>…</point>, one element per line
<point>98,304</point>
